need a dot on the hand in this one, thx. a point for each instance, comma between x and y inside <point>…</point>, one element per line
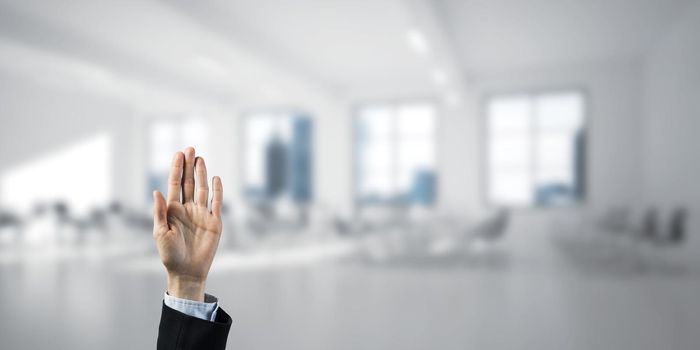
<point>186,231</point>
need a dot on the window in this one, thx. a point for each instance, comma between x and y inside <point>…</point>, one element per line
<point>536,149</point>
<point>167,136</point>
<point>395,154</point>
<point>278,157</point>
<point>78,175</point>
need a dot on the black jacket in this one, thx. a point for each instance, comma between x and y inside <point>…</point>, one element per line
<point>183,332</point>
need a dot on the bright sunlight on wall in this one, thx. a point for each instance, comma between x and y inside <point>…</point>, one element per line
<point>78,175</point>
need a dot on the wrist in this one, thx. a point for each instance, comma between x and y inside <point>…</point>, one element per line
<point>185,287</point>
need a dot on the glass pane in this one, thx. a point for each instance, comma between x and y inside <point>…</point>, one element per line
<point>254,169</point>
<point>52,177</point>
<point>535,148</point>
<point>163,136</point>
<point>416,154</point>
<point>510,155</point>
<point>510,150</point>
<point>377,154</point>
<point>195,132</point>
<point>375,123</point>
<point>559,122</point>
<point>416,120</point>
<point>258,131</point>
<point>376,183</point>
<point>559,111</point>
<point>395,150</point>
<point>511,188</point>
<point>268,138</point>
<point>554,148</point>
<point>511,113</point>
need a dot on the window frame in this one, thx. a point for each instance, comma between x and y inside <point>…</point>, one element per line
<point>394,103</point>
<point>532,93</point>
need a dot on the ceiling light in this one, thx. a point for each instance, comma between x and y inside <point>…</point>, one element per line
<point>417,41</point>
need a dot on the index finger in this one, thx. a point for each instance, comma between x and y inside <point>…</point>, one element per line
<point>175,177</point>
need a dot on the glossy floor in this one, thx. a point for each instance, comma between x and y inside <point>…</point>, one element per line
<point>541,298</point>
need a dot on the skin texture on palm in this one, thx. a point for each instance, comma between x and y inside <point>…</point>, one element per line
<point>186,227</point>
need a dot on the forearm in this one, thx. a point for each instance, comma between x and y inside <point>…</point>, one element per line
<point>185,287</point>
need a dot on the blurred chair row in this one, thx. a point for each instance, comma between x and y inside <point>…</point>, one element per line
<point>56,223</point>
<point>628,240</point>
<point>423,235</point>
<point>650,226</point>
<point>380,233</point>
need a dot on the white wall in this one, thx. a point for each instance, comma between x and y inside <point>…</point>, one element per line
<point>38,119</point>
<point>459,166</point>
<point>333,165</point>
<point>672,169</point>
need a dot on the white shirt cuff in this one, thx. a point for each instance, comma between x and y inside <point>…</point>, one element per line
<point>203,310</point>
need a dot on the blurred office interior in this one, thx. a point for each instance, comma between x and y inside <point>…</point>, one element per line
<point>398,174</point>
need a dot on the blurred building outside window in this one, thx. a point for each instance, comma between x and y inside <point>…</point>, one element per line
<point>278,156</point>
<point>536,149</point>
<point>395,154</point>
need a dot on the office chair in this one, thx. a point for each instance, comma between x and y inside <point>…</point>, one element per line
<point>484,235</point>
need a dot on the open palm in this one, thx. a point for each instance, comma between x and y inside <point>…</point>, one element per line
<point>186,229</point>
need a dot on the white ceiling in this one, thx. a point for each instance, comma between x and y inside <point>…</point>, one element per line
<point>512,34</point>
<point>226,49</point>
<point>335,42</point>
<point>345,44</point>
<point>140,42</point>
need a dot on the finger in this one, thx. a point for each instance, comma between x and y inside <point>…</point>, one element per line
<point>175,178</point>
<point>160,209</point>
<point>202,184</point>
<point>217,196</point>
<point>188,176</point>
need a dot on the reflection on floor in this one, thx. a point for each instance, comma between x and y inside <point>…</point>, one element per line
<point>335,295</point>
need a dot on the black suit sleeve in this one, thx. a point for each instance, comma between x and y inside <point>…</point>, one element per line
<point>183,332</point>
